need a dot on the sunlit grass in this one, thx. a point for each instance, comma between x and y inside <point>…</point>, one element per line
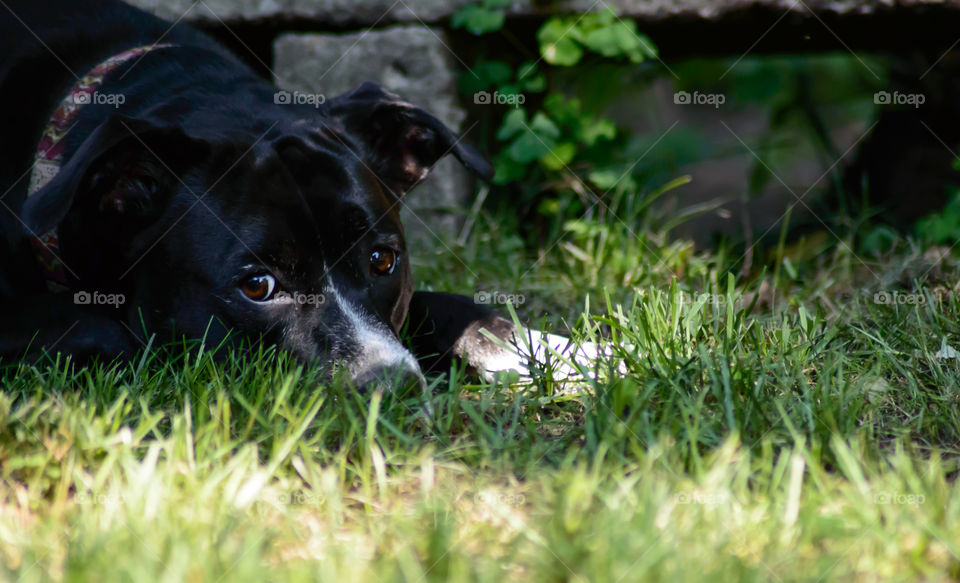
<point>815,438</point>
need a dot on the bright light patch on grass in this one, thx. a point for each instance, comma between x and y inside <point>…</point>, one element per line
<point>813,437</point>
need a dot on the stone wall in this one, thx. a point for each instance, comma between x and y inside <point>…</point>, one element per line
<point>371,12</point>
<point>331,46</point>
<point>412,60</point>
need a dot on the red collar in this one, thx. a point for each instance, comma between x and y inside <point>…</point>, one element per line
<point>49,154</point>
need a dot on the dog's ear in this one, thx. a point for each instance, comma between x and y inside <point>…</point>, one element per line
<point>402,141</point>
<point>119,173</point>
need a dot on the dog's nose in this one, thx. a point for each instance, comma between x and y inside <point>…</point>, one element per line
<point>389,378</point>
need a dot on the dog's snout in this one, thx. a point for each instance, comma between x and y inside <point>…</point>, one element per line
<point>369,349</point>
<point>389,377</point>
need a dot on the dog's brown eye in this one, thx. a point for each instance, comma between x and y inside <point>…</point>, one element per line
<point>258,288</point>
<point>383,260</point>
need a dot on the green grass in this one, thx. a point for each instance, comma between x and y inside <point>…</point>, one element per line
<point>814,439</point>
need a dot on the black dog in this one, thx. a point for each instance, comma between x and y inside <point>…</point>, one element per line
<point>160,189</point>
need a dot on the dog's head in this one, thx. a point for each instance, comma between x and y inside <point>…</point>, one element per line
<point>280,224</point>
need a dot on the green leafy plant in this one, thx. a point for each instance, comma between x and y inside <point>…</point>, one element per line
<point>942,226</point>
<point>556,153</point>
<point>564,40</point>
<point>481,18</point>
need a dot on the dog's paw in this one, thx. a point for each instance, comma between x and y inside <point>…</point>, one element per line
<point>534,354</point>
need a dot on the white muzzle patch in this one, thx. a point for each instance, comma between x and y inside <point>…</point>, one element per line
<point>380,353</point>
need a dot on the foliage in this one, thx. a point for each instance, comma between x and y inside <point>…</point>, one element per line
<point>563,40</point>
<point>560,154</point>
<point>481,18</point>
<point>803,96</point>
<point>943,226</point>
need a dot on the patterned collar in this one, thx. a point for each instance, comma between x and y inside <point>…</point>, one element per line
<point>49,155</point>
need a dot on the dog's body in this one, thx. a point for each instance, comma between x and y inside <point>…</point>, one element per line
<point>208,207</point>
